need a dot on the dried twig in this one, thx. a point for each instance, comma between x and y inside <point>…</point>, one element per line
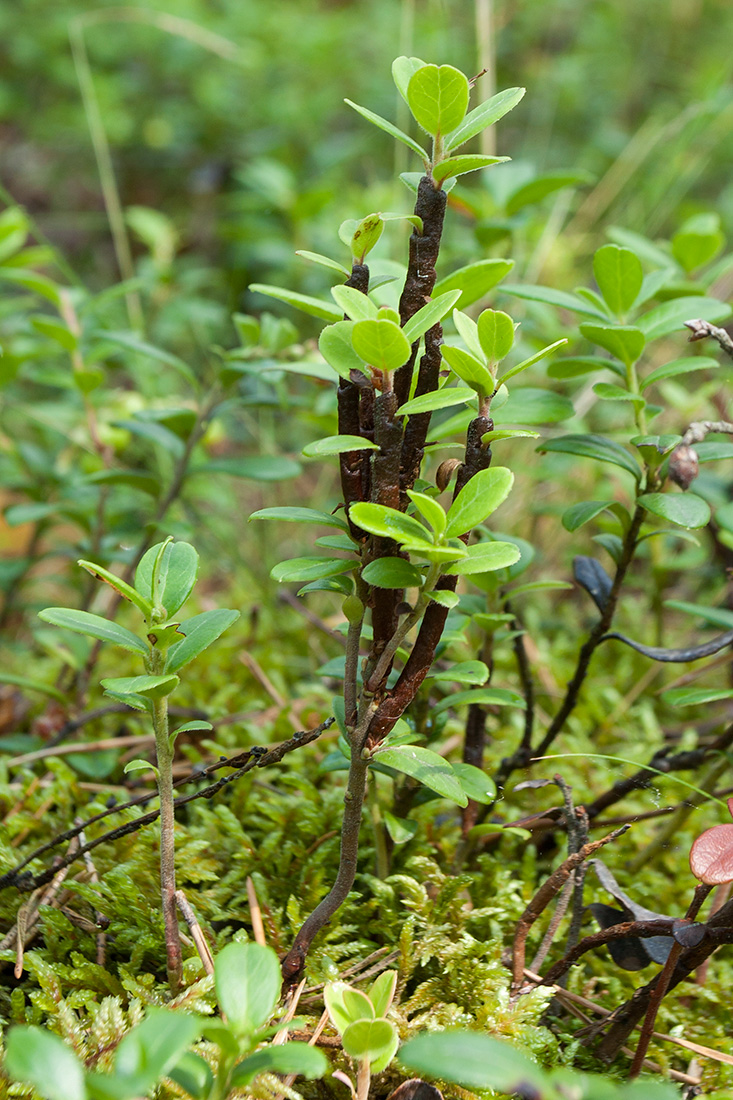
<point>258,929</point>
<point>256,757</point>
<point>544,896</point>
<point>196,931</point>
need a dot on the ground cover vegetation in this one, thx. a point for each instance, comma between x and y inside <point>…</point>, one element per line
<point>433,445</point>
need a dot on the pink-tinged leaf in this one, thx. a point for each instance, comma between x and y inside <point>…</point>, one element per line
<point>711,856</point>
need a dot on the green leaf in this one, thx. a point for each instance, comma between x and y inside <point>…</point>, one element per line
<point>378,519</point>
<point>608,392</point>
<point>31,280</point>
<point>337,349</point>
<point>693,697</point>
<point>256,467</point>
<point>400,829</point>
<point>177,574</point>
<point>460,166</point>
<point>679,366</point>
<point>483,116</point>
<point>465,672</point>
<point>474,1061</point>
<point>476,784</point>
<point>576,365</point>
<point>247,979</point>
<point>36,1057</point>
<point>296,1058</point>
<point>624,341</point>
<point>445,598</point>
<point>82,622</point>
<point>508,433</point>
<point>474,280</point>
<point>427,767</point>
<point>579,514</point>
<point>199,632</point>
<point>430,509</point>
<point>337,444</point>
<point>132,342</point>
<point>437,95</point>
<point>486,696</point>
<point>125,590</point>
<point>597,447</point>
<point>309,569</point>
<point>672,315</point>
<point>29,684</point>
<point>189,727</point>
<point>333,996</point>
<point>299,515</point>
<point>430,314</point>
<point>392,573</point>
<point>390,129</point>
<point>324,261</point>
<point>538,355</point>
<point>538,189</point>
<point>483,494</point>
<point>496,334</point>
<point>149,687</point>
<point>534,406</point>
<point>382,991</point>
<point>152,1048</point>
<point>403,69</point>
<point>368,1039</point>
<point>139,766</point>
<point>718,616</point>
<point>365,236</point>
<point>685,509</point>
<point>437,399</point>
<point>381,343</point>
<point>468,332</point>
<point>469,369</point>
<point>315,307</point>
<point>619,276</point>
<point>552,297</point>
<point>485,557</point>
<point>57,331</point>
<point>193,1074</point>
<point>154,433</point>
<point>698,241</point>
<point>358,306</point>
<point>357,1005</point>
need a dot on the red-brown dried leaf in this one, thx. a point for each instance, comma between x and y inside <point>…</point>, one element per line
<point>711,856</point>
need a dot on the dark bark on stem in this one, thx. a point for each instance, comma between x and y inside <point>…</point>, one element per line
<point>294,962</point>
<point>421,276</point>
<point>522,757</point>
<point>623,1020</point>
<point>413,447</point>
<point>701,892</point>
<point>422,655</point>
<point>544,896</point>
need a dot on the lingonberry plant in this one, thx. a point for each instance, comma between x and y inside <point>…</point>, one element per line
<point>395,531</point>
<point>164,580</point>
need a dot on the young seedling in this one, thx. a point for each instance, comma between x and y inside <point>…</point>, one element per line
<point>367,1035</point>
<point>164,580</point>
<point>247,981</point>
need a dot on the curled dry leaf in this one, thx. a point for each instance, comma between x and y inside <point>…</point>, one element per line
<point>711,856</point>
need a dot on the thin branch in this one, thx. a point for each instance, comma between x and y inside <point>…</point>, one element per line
<point>256,757</point>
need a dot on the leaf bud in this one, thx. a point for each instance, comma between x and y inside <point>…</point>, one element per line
<point>683,466</point>
<point>353,608</point>
<point>445,472</point>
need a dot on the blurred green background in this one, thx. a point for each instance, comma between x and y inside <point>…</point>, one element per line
<point>228,117</point>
